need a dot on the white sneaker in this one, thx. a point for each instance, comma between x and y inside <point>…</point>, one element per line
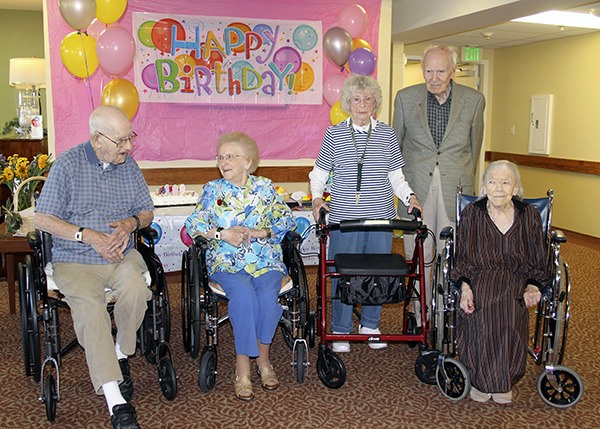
<point>375,345</point>
<point>340,346</point>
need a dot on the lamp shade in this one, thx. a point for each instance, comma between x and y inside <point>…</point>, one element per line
<point>25,72</point>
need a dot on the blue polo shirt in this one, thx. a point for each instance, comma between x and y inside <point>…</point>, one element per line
<point>82,192</point>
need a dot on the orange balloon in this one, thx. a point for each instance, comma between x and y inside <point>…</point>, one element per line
<point>123,94</point>
<point>78,54</point>
<point>234,37</point>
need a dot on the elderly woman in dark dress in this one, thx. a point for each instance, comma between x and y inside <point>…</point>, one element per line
<point>501,266</point>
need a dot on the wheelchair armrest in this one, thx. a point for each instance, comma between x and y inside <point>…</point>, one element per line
<point>447,232</point>
<point>148,233</point>
<point>558,236</point>
<point>34,239</point>
<point>201,241</point>
<point>293,237</point>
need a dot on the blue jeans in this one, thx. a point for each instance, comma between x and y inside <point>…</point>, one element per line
<point>356,242</point>
<point>254,309</point>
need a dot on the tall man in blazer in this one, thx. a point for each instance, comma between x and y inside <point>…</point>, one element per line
<point>439,125</point>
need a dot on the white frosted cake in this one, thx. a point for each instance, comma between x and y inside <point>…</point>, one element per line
<point>173,195</point>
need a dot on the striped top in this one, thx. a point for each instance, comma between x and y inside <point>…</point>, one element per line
<point>381,156</point>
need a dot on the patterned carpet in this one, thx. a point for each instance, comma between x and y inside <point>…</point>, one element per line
<point>381,390</point>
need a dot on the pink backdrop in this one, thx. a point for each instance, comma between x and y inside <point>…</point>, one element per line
<point>188,131</point>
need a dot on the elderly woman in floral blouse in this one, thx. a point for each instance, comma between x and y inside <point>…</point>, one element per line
<point>245,220</point>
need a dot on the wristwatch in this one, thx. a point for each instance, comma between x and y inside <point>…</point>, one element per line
<point>137,223</point>
<point>79,234</point>
<point>218,233</point>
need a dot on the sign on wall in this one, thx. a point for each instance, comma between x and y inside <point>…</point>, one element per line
<point>223,60</point>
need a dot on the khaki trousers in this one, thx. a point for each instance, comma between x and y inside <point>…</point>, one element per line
<point>83,287</point>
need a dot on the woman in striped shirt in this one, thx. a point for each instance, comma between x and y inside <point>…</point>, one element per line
<point>501,266</point>
<point>363,159</point>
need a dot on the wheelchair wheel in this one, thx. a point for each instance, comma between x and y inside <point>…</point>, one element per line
<point>299,295</point>
<point>568,390</point>
<point>561,321</point>
<point>30,335</point>
<point>300,361</point>
<point>437,305</point>
<point>50,397</point>
<point>411,328</point>
<point>331,368</point>
<point>167,377</point>
<point>184,299</point>
<point>312,329</point>
<point>207,374</point>
<point>452,379</point>
<point>426,366</point>
<point>192,303</point>
<point>146,338</point>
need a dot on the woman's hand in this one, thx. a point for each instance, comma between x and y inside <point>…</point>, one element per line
<point>414,203</point>
<point>532,295</point>
<point>466,299</point>
<point>317,203</point>
<point>236,235</point>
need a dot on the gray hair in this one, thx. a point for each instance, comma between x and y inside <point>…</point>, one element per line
<point>246,143</point>
<point>510,166</point>
<point>450,52</point>
<point>107,116</point>
<point>356,82</point>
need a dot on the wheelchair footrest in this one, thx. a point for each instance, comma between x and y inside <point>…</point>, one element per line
<point>372,264</point>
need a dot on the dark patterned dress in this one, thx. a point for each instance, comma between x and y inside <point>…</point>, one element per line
<point>493,340</point>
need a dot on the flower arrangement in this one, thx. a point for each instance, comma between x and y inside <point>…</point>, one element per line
<point>13,171</point>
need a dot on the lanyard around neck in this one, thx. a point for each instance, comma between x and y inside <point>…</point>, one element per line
<point>360,159</point>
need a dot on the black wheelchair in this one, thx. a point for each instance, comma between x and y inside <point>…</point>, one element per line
<point>557,385</point>
<point>384,278</point>
<point>200,300</point>
<point>40,302</point>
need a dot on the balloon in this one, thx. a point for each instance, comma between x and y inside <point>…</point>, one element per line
<point>337,44</point>
<point>162,36</point>
<point>78,54</point>
<point>353,19</point>
<point>96,28</point>
<point>77,13</point>
<point>305,78</point>
<point>234,36</point>
<point>332,88</point>
<point>115,48</point>
<point>362,61</point>
<point>186,64</point>
<point>123,94</point>
<point>149,77</point>
<point>185,237</point>
<point>287,55</point>
<point>108,11</point>
<point>261,29</point>
<point>145,34</point>
<point>361,43</point>
<point>155,226</point>
<point>305,37</point>
<point>336,114</point>
<point>302,225</point>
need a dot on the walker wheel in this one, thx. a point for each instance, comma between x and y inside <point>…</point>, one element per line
<point>330,368</point>
<point>426,366</point>
<point>570,387</point>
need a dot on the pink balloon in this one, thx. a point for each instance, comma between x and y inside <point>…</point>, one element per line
<point>362,61</point>
<point>96,28</point>
<point>332,88</point>
<point>115,49</point>
<point>353,19</point>
<point>185,237</point>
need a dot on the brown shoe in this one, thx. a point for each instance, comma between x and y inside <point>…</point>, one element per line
<point>242,387</point>
<point>268,378</point>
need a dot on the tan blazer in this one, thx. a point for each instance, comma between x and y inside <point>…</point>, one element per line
<point>459,150</point>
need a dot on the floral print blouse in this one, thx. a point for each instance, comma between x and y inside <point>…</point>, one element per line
<point>256,205</point>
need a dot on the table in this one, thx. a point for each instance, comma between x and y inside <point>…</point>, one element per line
<point>9,247</point>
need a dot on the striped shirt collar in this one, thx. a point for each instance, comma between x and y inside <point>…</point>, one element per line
<point>364,128</point>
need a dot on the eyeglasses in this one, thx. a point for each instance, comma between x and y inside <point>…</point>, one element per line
<point>367,100</point>
<point>123,141</point>
<point>227,157</point>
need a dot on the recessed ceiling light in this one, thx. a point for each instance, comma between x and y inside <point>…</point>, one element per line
<point>564,19</point>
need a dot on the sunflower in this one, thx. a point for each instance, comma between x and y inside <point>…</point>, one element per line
<point>42,161</point>
<point>8,174</point>
<point>22,171</point>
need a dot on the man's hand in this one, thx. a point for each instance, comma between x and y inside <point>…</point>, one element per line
<point>532,295</point>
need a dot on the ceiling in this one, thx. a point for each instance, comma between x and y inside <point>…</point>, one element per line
<point>500,36</point>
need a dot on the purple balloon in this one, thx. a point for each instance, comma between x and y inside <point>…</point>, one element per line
<point>361,61</point>
<point>149,77</point>
<point>285,56</point>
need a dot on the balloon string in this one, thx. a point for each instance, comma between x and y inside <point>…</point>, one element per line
<point>88,83</point>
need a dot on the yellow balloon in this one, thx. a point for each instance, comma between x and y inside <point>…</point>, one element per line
<point>78,54</point>
<point>336,114</point>
<point>186,64</point>
<point>305,77</point>
<point>108,11</point>
<point>123,94</point>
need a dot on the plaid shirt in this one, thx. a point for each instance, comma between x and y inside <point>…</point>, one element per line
<point>437,116</point>
<point>79,190</point>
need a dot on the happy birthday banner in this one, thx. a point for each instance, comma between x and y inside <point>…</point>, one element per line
<point>223,60</point>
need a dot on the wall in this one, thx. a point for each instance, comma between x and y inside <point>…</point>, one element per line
<point>568,69</point>
<point>22,36</point>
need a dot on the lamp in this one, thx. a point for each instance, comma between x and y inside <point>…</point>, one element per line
<point>28,76</point>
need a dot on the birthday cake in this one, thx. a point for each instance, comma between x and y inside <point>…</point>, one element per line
<point>173,195</point>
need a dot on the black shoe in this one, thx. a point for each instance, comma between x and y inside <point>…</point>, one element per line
<point>124,417</point>
<point>126,386</point>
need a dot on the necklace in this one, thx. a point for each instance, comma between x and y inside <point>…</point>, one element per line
<point>359,159</point>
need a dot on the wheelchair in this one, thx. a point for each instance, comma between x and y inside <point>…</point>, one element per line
<point>200,300</point>
<point>557,385</point>
<point>40,303</point>
<point>376,269</point>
